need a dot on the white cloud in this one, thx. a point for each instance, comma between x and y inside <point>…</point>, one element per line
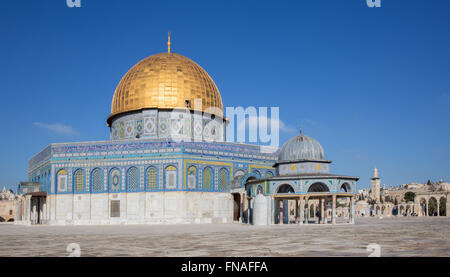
<point>252,121</point>
<point>287,128</point>
<point>57,128</point>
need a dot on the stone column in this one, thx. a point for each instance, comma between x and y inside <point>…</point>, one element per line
<point>301,210</point>
<point>241,208</point>
<point>306,210</point>
<point>333,211</point>
<point>322,214</point>
<point>438,204</point>
<point>281,221</point>
<point>352,210</point>
<point>426,209</point>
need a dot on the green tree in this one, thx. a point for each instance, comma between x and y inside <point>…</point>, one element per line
<point>409,196</point>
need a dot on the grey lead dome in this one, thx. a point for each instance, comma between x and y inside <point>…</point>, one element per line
<point>301,148</point>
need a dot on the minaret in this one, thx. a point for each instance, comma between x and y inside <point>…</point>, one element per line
<point>375,195</point>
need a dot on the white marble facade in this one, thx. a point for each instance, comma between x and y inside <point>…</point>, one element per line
<point>138,208</point>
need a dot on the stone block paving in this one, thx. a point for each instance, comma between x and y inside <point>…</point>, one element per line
<point>407,237</point>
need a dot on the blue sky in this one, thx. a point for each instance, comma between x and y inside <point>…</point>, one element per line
<point>372,85</point>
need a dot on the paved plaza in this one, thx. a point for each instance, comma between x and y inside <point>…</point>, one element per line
<point>416,236</point>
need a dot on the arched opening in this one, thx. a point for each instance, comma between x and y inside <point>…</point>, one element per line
<point>132,179</point>
<point>248,213</point>
<point>96,180</point>
<point>238,179</point>
<point>318,187</point>
<point>286,188</point>
<point>11,220</point>
<point>152,178</point>
<point>2,219</point>
<point>257,174</point>
<point>345,188</point>
<point>171,176</point>
<point>443,206</point>
<point>114,179</point>
<point>312,212</point>
<point>408,210</point>
<point>402,210</point>
<point>236,206</point>
<point>223,179</point>
<point>432,207</point>
<point>259,190</point>
<point>208,179</point>
<point>395,210</point>
<point>423,207</point>
<point>78,181</point>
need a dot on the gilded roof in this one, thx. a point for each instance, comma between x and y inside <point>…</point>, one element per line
<point>166,81</point>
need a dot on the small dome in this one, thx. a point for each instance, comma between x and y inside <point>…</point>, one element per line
<point>301,148</point>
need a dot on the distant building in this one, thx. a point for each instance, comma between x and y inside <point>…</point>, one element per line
<point>7,205</point>
<point>412,199</point>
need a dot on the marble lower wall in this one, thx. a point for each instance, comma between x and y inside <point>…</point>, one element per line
<point>139,208</point>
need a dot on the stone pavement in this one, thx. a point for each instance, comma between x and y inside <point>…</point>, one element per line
<point>415,236</point>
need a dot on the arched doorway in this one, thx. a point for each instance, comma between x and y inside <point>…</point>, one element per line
<point>443,206</point>
<point>248,212</point>
<point>395,210</point>
<point>432,207</point>
<point>2,219</point>
<point>318,187</point>
<point>236,206</point>
<point>284,204</point>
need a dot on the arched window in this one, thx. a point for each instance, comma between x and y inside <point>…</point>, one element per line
<point>346,188</point>
<point>192,177</point>
<point>114,179</point>
<point>223,179</point>
<point>62,180</point>
<point>132,179</point>
<point>257,174</point>
<point>152,178</point>
<point>318,187</point>
<point>78,181</point>
<point>208,179</point>
<point>286,188</point>
<point>97,180</point>
<point>171,177</point>
<point>259,190</point>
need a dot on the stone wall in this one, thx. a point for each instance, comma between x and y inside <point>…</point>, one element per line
<point>140,208</point>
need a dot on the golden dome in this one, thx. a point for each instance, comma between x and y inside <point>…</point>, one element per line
<point>166,81</point>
